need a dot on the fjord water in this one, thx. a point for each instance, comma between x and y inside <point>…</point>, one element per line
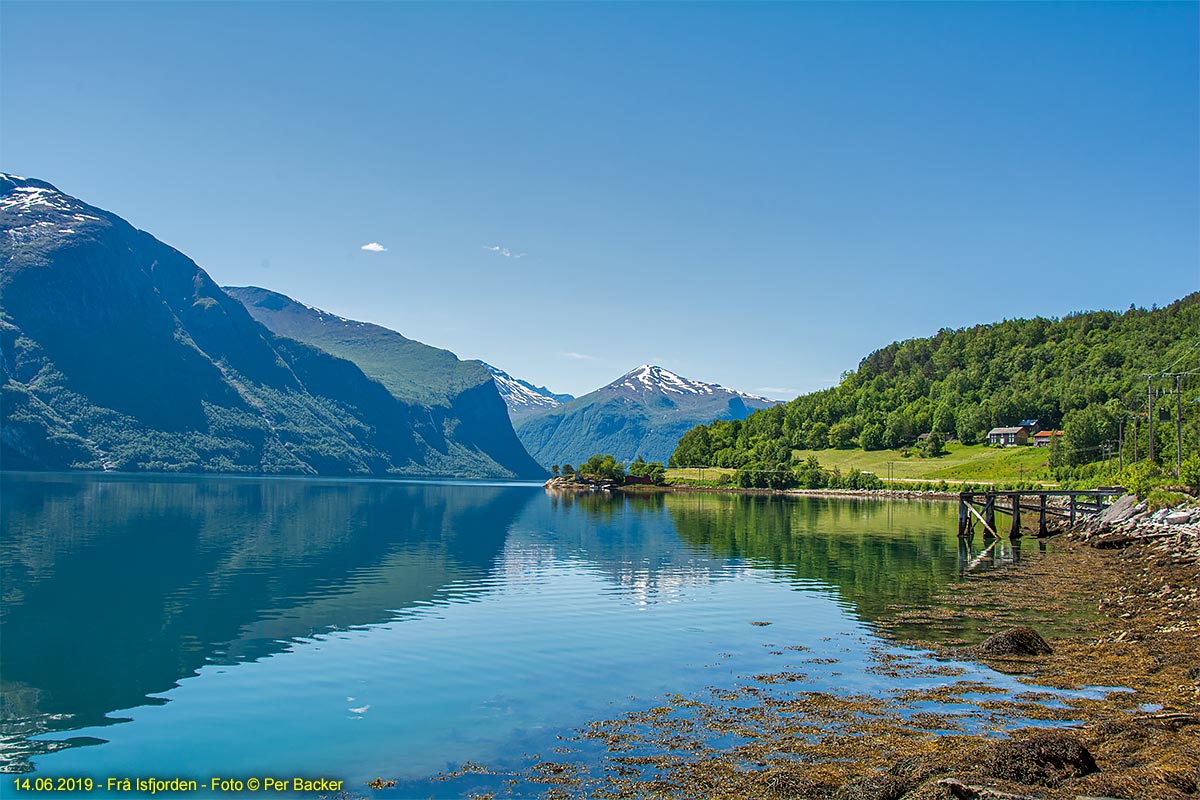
<point>207,626</point>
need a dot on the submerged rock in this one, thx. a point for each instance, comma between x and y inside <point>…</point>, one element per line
<point>1019,641</point>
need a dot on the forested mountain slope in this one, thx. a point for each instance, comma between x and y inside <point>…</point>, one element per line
<point>1082,372</point>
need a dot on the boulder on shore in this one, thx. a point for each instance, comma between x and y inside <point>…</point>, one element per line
<point>1126,506</point>
<point>1019,641</point>
<point>1045,759</point>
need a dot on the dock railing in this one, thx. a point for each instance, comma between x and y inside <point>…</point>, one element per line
<point>1070,506</point>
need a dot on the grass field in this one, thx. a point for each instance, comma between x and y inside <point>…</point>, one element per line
<point>972,463</point>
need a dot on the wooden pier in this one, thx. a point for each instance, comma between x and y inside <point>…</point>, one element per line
<point>1079,504</point>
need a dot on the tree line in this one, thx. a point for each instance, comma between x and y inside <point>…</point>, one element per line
<point>603,467</point>
<point>1084,374</point>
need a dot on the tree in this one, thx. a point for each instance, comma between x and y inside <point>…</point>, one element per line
<point>603,467</point>
<point>818,436</point>
<point>943,419</point>
<point>871,437</point>
<point>934,445</point>
<point>841,435</point>
<point>1085,431</point>
<point>567,470</point>
<point>1189,472</point>
<point>554,470</point>
<point>971,424</point>
<point>760,475</point>
<point>652,470</point>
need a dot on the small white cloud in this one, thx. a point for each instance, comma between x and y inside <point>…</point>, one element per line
<point>504,251</point>
<point>579,356</point>
<point>374,247</point>
<point>360,710</point>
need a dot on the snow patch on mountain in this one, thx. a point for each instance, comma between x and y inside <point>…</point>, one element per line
<point>651,378</point>
<point>521,396</point>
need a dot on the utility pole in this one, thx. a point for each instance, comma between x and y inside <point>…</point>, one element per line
<point>1178,425</point>
<point>1135,440</point>
<point>1150,411</point>
<point>1121,440</point>
<point>1178,376</point>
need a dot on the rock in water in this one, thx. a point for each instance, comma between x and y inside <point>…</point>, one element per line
<point>1019,641</point>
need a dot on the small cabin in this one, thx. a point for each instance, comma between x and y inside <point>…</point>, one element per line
<point>1043,438</point>
<point>1031,425</point>
<point>1009,437</point>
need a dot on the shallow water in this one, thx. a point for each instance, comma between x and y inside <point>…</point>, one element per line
<point>198,627</point>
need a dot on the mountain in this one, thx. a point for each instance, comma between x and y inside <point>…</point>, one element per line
<point>644,412</point>
<point>522,397</point>
<point>119,352</point>
<point>460,394</point>
<point>1085,373</point>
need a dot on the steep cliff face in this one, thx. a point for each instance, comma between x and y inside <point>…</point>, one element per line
<point>119,352</point>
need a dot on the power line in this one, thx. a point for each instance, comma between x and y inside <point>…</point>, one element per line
<point>1185,355</point>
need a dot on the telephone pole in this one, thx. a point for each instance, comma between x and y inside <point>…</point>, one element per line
<point>1178,425</point>
<point>1178,376</point>
<point>1121,441</point>
<point>1135,440</point>
<point>1150,411</point>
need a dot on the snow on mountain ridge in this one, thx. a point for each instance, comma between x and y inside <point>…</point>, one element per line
<point>40,209</point>
<point>521,395</point>
<point>650,377</point>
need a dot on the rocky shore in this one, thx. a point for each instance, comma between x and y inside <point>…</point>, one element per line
<point>1115,603</point>
<point>1174,532</point>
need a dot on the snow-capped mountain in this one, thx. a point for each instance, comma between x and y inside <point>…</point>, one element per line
<point>649,378</point>
<point>119,352</point>
<point>522,397</point>
<point>643,412</point>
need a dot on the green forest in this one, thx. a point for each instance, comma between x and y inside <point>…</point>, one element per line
<point>1084,374</point>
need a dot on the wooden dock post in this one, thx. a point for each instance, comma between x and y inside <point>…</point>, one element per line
<point>1080,503</point>
<point>989,514</point>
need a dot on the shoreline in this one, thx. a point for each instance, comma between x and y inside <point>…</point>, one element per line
<point>866,494</point>
<point>560,485</point>
<point>1127,619</point>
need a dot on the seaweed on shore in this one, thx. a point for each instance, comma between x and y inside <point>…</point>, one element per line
<point>1124,621</point>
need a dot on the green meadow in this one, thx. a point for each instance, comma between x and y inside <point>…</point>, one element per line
<point>979,463</point>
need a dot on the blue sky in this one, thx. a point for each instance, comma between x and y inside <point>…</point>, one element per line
<point>752,194</point>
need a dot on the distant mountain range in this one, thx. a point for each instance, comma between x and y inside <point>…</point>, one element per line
<point>644,412</point>
<point>119,352</point>
<point>522,397</point>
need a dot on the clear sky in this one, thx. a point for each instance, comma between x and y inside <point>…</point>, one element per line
<point>752,194</point>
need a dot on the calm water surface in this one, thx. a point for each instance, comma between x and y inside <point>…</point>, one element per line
<point>196,627</point>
